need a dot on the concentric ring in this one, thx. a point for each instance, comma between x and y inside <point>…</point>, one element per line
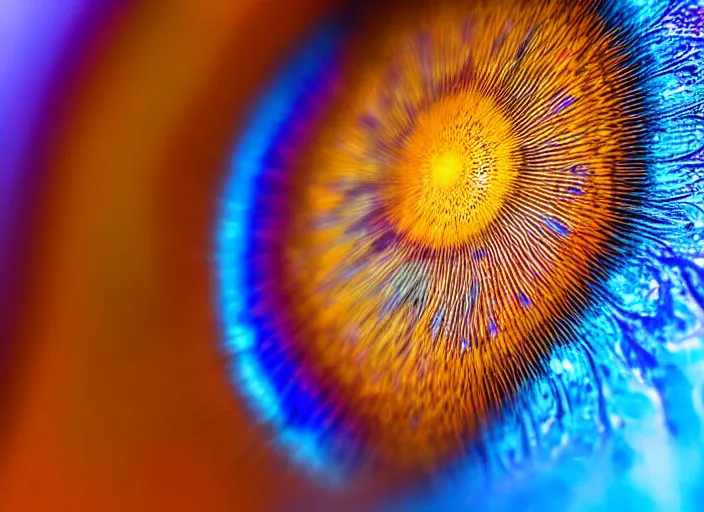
<point>437,215</point>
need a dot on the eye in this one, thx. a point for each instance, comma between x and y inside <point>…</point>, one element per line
<point>455,241</point>
<point>429,255</point>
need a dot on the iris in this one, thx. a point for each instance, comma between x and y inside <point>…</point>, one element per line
<point>465,239</point>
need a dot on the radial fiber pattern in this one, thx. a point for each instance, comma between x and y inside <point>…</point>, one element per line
<point>439,212</point>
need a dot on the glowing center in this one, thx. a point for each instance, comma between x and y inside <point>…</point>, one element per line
<point>453,173</point>
<point>446,169</point>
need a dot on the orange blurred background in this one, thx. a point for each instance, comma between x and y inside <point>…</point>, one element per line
<point>120,399</point>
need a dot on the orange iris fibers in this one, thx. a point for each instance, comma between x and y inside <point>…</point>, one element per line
<point>493,153</point>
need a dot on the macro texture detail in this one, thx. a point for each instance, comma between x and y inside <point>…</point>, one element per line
<point>455,212</point>
<point>444,211</point>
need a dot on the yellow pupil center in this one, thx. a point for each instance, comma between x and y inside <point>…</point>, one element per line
<point>453,173</point>
<point>445,169</point>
